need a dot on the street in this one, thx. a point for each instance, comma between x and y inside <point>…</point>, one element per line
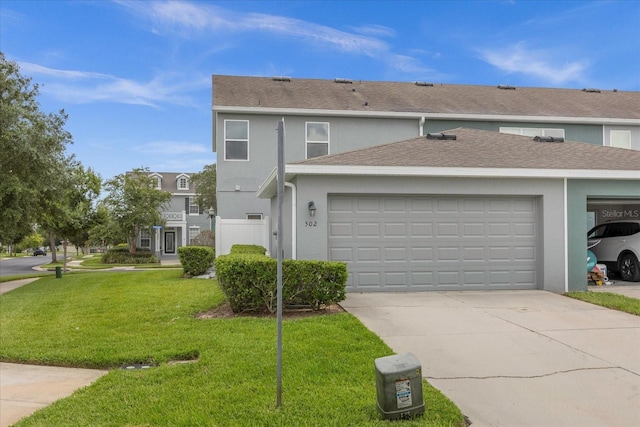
<point>21,265</point>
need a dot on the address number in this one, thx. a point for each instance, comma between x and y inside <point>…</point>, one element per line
<point>311,223</point>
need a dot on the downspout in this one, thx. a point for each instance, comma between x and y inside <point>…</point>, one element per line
<point>566,238</point>
<point>422,120</point>
<point>294,219</point>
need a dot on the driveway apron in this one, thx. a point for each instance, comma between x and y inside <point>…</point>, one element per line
<point>516,358</point>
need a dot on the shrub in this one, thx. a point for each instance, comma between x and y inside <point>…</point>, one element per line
<point>250,282</point>
<point>247,249</point>
<point>195,260</point>
<point>119,255</point>
<point>205,238</point>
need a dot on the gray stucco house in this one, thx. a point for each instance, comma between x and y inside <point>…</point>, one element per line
<point>491,209</point>
<point>184,218</point>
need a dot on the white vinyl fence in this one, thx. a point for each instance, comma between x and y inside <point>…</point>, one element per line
<point>230,232</point>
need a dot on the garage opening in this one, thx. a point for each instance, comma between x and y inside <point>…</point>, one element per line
<point>422,242</point>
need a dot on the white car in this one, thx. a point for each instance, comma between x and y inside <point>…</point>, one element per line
<point>618,247</point>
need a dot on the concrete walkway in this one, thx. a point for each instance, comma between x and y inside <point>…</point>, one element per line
<point>516,358</point>
<point>24,388</point>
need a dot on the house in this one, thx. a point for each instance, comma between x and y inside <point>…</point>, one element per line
<point>463,209</point>
<point>326,119</point>
<point>184,218</point>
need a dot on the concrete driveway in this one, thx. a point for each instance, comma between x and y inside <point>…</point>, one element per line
<point>516,358</point>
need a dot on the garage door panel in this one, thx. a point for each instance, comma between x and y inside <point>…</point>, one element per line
<point>423,242</point>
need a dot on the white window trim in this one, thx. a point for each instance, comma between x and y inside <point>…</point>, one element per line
<point>158,179</point>
<point>193,228</point>
<point>307,141</point>
<point>193,198</point>
<point>179,178</point>
<point>619,131</point>
<point>148,234</point>
<point>224,139</point>
<point>543,131</point>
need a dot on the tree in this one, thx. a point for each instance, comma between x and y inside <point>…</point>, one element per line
<point>69,211</point>
<point>205,184</point>
<point>32,148</point>
<point>134,203</point>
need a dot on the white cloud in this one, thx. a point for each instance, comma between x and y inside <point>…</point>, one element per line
<point>542,64</point>
<point>191,19</point>
<point>375,30</point>
<point>84,87</point>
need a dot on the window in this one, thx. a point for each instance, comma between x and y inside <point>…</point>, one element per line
<point>236,140</point>
<point>145,239</point>
<point>183,183</point>
<point>254,216</point>
<point>317,139</point>
<point>620,138</point>
<point>156,181</point>
<point>194,209</point>
<point>557,133</point>
<point>193,233</point>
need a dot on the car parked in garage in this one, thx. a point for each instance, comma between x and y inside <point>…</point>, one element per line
<point>618,247</point>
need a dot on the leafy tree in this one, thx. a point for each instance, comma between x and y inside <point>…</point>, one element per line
<point>32,150</point>
<point>105,232</point>
<point>134,203</point>
<point>70,211</point>
<point>31,241</point>
<point>205,184</point>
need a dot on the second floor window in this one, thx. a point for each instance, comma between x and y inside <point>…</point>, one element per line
<point>183,183</point>
<point>194,209</point>
<point>620,138</point>
<point>557,133</point>
<point>236,140</point>
<point>317,139</point>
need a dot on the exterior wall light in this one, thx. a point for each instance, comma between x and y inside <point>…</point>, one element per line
<point>312,209</point>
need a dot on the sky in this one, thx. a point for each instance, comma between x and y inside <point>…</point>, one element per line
<point>135,76</point>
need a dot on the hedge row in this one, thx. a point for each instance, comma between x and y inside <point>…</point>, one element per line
<point>123,256</point>
<point>249,282</point>
<point>195,260</point>
<point>247,249</point>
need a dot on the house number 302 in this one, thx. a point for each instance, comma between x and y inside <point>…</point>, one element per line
<point>311,223</point>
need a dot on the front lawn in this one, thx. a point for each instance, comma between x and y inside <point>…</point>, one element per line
<point>609,300</point>
<point>110,319</point>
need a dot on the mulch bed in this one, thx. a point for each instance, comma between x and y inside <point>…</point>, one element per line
<point>224,312</point>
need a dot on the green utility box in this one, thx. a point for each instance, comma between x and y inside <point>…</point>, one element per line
<point>399,386</point>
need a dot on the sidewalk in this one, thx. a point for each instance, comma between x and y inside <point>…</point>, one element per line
<point>25,388</point>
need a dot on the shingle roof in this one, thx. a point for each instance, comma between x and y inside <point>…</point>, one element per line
<point>370,96</point>
<point>485,149</point>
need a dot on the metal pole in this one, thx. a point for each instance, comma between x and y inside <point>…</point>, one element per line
<point>280,256</point>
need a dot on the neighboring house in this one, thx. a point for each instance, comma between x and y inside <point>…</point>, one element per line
<point>325,117</point>
<point>184,218</point>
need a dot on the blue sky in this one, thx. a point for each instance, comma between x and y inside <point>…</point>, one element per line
<point>135,76</point>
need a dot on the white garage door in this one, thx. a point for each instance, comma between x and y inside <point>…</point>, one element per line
<point>402,243</point>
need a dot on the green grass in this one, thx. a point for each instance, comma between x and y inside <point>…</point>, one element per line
<point>94,263</point>
<point>109,319</point>
<point>609,300</point>
<point>25,276</point>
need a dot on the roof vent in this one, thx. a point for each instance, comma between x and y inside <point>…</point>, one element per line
<point>281,79</point>
<point>441,136</point>
<point>506,87</point>
<point>591,90</point>
<point>424,84</point>
<point>548,139</point>
<point>346,81</point>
